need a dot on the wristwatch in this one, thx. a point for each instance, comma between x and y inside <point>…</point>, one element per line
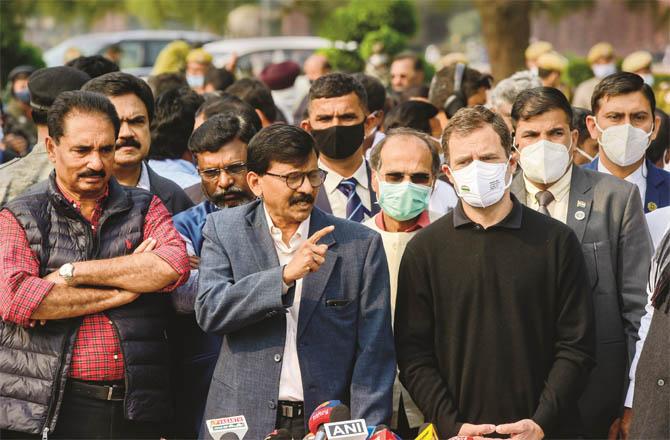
<point>67,272</point>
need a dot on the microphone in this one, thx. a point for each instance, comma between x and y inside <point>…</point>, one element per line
<point>322,414</point>
<point>227,428</point>
<point>383,432</point>
<point>327,412</point>
<point>427,432</point>
<point>279,434</point>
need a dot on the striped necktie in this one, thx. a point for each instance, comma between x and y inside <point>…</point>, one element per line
<point>355,209</point>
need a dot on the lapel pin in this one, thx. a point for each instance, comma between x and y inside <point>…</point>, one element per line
<point>579,215</point>
<point>651,206</point>
<point>581,204</point>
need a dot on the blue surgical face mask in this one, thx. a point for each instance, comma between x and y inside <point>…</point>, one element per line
<point>23,96</point>
<point>195,81</point>
<point>403,201</point>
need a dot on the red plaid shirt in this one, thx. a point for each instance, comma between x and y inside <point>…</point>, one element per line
<point>97,351</point>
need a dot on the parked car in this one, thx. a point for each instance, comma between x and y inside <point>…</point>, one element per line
<point>256,53</point>
<point>139,49</point>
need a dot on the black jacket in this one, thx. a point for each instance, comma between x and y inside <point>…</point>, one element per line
<point>173,197</point>
<point>35,362</point>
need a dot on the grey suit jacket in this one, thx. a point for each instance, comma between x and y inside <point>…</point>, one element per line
<point>344,341</point>
<point>606,215</point>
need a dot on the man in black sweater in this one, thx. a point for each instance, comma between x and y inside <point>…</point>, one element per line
<point>494,320</point>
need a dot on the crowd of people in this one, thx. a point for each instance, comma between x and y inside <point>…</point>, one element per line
<point>465,256</point>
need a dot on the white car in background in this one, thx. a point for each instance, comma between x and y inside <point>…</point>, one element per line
<point>139,49</point>
<point>253,54</point>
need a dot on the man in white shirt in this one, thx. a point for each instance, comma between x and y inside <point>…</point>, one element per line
<point>301,299</point>
<point>605,214</point>
<point>624,123</point>
<point>339,120</point>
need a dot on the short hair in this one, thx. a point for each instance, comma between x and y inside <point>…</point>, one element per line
<point>417,63</point>
<point>94,65</point>
<point>579,115</point>
<point>227,102</point>
<point>470,119</point>
<point>79,102</point>
<point>334,85</point>
<point>508,89</point>
<point>420,91</point>
<point>220,79</point>
<point>120,83</point>
<point>659,145</point>
<point>537,101</point>
<point>374,89</point>
<point>163,82</point>
<point>280,143</point>
<point>376,153</point>
<point>442,85</point>
<point>621,83</point>
<point>410,114</point>
<point>219,130</point>
<point>256,94</point>
<point>173,123</point>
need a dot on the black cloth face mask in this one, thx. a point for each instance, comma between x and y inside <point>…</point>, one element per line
<point>339,141</point>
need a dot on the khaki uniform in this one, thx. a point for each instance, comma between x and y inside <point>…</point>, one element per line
<point>19,174</point>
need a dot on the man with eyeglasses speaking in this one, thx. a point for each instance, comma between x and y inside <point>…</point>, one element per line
<point>301,298</point>
<point>219,146</point>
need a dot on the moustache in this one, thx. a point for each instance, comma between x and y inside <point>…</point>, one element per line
<point>220,197</point>
<point>300,198</point>
<point>92,174</point>
<point>127,142</point>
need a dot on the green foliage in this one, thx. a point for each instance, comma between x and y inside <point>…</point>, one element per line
<point>342,60</point>
<point>12,47</point>
<point>577,72</point>
<point>353,21</point>
<point>391,41</point>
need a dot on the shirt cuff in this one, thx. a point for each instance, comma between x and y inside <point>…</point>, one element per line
<point>285,287</point>
<point>29,296</point>
<point>178,261</point>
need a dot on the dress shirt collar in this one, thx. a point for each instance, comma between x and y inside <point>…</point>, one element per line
<point>637,176</point>
<point>559,189</point>
<point>143,181</point>
<point>422,221</point>
<point>333,179</point>
<point>298,238</point>
<point>512,221</point>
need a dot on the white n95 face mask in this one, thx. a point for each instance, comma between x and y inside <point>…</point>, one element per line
<point>544,161</point>
<point>624,144</point>
<point>602,70</point>
<point>481,184</point>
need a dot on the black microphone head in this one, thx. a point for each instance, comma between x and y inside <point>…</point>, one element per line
<point>229,436</point>
<point>340,413</point>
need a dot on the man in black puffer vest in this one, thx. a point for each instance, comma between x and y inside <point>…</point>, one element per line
<point>83,347</point>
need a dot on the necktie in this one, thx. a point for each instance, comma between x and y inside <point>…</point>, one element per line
<point>355,208</point>
<point>544,198</point>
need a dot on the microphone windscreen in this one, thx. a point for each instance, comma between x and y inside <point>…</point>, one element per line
<point>229,436</point>
<point>340,413</point>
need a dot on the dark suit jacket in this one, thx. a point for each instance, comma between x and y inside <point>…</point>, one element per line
<point>171,194</point>
<point>617,249</point>
<point>344,337</point>
<point>658,185</point>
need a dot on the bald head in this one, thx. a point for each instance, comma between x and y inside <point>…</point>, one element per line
<point>316,66</point>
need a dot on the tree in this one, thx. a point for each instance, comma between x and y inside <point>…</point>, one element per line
<point>506,29</point>
<point>14,50</point>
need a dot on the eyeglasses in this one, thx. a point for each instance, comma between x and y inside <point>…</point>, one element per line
<point>417,178</point>
<point>232,169</point>
<point>295,179</point>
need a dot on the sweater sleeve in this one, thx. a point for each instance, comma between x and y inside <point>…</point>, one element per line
<point>415,348</point>
<point>574,346</point>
